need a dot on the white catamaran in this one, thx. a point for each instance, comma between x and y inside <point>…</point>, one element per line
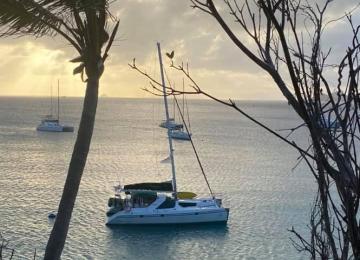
<point>161,203</point>
<point>52,124</point>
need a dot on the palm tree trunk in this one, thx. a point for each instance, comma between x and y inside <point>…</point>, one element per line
<point>59,232</point>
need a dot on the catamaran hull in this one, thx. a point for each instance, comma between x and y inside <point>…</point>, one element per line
<point>180,136</point>
<point>200,216</point>
<point>55,129</point>
<point>171,125</point>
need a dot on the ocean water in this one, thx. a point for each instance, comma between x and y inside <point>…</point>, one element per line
<point>251,169</point>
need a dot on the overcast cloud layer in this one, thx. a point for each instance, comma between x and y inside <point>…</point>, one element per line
<point>29,66</point>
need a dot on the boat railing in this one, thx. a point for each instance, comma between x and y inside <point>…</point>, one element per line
<point>140,190</point>
<point>205,195</point>
<point>119,189</point>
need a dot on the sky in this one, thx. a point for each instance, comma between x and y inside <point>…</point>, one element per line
<point>31,66</point>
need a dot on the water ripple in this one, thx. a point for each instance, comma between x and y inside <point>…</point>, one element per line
<point>249,167</point>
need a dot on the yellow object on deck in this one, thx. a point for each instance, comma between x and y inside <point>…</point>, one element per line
<point>186,195</point>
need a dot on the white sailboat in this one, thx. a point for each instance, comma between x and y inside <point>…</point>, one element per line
<point>181,133</point>
<point>51,123</point>
<point>171,124</point>
<point>161,203</point>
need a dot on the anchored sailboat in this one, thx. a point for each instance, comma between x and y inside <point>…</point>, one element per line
<point>52,124</point>
<point>161,203</point>
<point>181,133</point>
<point>170,123</point>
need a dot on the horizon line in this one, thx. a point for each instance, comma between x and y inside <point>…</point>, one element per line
<point>122,97</point>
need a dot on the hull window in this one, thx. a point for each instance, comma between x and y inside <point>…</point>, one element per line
<point>168,203</point>
<point>187,204</point>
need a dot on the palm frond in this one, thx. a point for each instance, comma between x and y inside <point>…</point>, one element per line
<point>83,23</point>
<point>26,17</point>
<point>79,6</point>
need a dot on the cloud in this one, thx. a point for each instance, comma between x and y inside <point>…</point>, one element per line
<point>29,68</point>
<point>31,65</point>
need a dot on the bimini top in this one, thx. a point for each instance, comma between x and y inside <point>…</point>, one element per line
<point>155,186</point>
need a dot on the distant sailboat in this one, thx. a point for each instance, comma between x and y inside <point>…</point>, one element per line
<point>171,123</point>
<point>181,133</point>
<point>52,124</point>
<point>161,203</point>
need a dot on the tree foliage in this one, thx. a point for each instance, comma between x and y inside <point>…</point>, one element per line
<point>84,25</point>
<point>285,39</point>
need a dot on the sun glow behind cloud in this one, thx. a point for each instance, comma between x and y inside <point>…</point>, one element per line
<point>29,67</point>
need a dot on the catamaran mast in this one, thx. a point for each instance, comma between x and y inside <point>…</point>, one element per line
<point>51,101</point>
<point>58,103</point>
<point>183,97</point>
<point>167,122</point>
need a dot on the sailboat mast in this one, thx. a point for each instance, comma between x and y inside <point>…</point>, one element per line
<point>183,97</point>
<point>51,101</point>
<point>167,122</point>
<point>58,103</point>
<point>174,106</point>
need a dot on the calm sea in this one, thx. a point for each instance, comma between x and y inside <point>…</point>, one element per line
<point>249,167</point>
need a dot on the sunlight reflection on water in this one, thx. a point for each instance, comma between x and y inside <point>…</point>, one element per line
<point>248,166</point>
